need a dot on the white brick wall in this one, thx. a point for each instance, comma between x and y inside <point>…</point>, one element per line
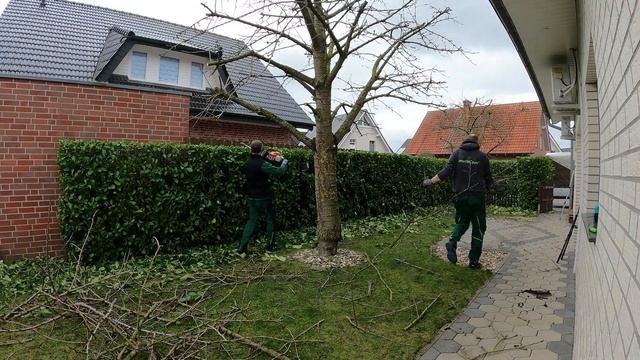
<point>607,272</point>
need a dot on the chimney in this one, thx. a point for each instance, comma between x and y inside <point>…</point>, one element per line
<point>466,109</point>
<point>467,106</point>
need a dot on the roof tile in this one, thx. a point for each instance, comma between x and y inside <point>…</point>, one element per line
<point>515,129</point>
<point>63,41</point>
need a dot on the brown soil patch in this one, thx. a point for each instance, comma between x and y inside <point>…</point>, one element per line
<point>343,258</point>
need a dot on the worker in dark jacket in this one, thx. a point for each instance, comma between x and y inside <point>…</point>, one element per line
<point>472,178</point>
<point>257,170</point>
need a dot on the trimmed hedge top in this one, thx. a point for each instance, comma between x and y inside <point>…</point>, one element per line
<point>187,195</point>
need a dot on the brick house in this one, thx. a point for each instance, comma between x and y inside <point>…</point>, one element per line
<point>584,61</point>
<point>76,71</point>
<point>505,130</point>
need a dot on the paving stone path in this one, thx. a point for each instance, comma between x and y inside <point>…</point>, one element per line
<point>504,320</point>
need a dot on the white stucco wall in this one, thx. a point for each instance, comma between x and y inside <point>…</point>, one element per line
<point>211,79</point>
<point>362,138</point>
<point>607,272</point>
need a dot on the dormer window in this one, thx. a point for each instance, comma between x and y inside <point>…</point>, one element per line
<point>139,65</point>
<point>169,70</point>
<point>196,75</point>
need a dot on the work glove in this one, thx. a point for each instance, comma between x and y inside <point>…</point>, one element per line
<point>279,158</point>
<point>284,161</point>
<point>427,183</point>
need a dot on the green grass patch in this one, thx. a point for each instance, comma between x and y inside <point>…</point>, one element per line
<point>510,211</point>
<point>267,299</point>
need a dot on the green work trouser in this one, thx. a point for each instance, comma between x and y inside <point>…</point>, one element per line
<point>257,208</point>
<point>470,209</point>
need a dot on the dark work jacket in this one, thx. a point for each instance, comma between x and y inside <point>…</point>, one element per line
<point>470,169</point>
<point>257,171</point>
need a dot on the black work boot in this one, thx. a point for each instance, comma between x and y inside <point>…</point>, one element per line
<point>475,265</point>
<point>451,252</point>
<point>273,247</point>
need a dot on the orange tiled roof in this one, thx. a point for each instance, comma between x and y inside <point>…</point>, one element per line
<point>514,129</point>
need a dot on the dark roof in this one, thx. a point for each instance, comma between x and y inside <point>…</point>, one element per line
<point>69,41</point>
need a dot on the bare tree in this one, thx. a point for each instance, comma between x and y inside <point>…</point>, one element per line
<point>478,118</point>
<point>364,50</point>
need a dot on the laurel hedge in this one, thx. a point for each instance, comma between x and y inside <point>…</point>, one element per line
<point>125,195</point>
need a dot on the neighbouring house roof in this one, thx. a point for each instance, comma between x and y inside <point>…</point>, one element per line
<point>363,115</point>
<point>68,41</point>
<point>516,129</point>
<point>403,147</point>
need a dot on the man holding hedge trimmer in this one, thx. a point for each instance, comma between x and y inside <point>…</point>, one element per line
<point>260,166</point>
<point>472,178</point>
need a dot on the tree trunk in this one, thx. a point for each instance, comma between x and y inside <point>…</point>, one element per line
<point>329,229</point>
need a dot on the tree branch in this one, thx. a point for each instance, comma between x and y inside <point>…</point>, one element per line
<point>258,26</point>
<point>301,78</point>
<point>221,94</point>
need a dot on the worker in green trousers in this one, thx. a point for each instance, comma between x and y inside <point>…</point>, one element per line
<point>257,171</point>
<point>472,178</point>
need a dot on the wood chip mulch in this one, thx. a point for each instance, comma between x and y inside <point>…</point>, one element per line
<point>343,258</point>
<point>490,259</point>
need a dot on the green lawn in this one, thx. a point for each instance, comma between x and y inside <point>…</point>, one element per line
<point>271,301</point>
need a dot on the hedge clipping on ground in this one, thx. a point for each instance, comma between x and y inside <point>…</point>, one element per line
<point>125,194</point>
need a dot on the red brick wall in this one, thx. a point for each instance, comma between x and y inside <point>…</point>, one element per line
<point>34,116</point>
<point>225,131</point>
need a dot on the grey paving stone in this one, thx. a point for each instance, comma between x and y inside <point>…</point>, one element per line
<point>431,354</point>
<point>446,346</point>
<point>473,305</point>
<point>562,329</point>
<point>448,334</point>
<point>484,300</point>
<point>564,313</point>
<point>474,312</point>
<point>462,328</point>
<point>568,338</point>
<point>560,347</point>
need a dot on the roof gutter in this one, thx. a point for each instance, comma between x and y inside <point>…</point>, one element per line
<point>507,22</point>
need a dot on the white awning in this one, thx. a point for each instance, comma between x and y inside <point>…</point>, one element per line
<point>562,158</point>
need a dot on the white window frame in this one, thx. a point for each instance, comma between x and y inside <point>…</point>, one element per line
<point>352,143</point>
<point>372,145</point>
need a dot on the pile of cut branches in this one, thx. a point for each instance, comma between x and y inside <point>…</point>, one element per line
<point>126,315</point>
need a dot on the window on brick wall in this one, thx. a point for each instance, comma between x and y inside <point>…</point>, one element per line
<point>169,69</point>
<point>138,65</point>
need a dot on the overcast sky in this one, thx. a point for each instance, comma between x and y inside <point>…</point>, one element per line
<point>495,70</point>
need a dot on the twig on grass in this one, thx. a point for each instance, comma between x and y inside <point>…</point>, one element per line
<point>421,314</point>
<point>371,332</point>
<point>415,304</point>
<point>414,266</point>
<point>274,354</point>
<point>16,342</point>
<point>381,278</point>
